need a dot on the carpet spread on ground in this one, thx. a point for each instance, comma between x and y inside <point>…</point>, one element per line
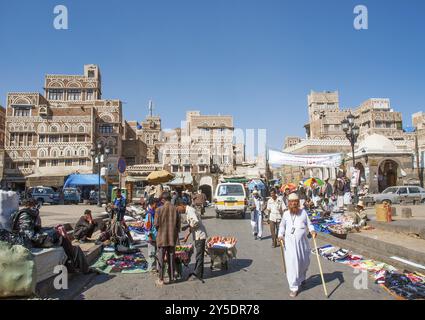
<point>111,262</point>
<point>403,285</point>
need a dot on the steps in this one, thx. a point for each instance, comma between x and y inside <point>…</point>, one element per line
<point>377,249</point>
<point>406,227</point>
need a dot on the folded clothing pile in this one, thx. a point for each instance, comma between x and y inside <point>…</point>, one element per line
<point>406,285</point>
<point>333,253</point>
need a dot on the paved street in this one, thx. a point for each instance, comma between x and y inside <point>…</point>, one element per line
<point>256,274</point>
<point>52,215</point>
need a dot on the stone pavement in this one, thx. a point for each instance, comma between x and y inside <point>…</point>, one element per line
<point>256,274</point>
<point>52,215</point>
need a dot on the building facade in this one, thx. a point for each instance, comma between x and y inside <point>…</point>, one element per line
<point>324,134</point>
<point>2,135</point>
<point>49,137</point>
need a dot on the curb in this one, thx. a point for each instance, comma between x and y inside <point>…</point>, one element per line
<point>367,252</point>
<point>406,229</point>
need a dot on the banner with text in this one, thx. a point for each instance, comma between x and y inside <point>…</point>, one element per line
<point>332,160</point>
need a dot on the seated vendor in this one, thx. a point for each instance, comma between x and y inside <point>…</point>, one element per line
<point>85,227</point>
<point>27,224</point>
<point>309,205</point>
<point>361,214</point>
<point>327,207</point>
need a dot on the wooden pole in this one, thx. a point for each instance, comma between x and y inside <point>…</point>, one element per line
<point>283,256</point>
<point>320,267</point>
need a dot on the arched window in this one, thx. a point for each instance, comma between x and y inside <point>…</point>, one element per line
<point>42,153</point>
<point>82,153</point>
<point>81,129</point>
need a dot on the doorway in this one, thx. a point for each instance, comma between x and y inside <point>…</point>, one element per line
<point>387,174</point>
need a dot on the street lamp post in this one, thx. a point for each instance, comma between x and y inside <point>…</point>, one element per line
<point>99,154</point>
<point>352,133</point>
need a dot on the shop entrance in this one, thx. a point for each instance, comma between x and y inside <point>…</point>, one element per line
<point>387,175</point>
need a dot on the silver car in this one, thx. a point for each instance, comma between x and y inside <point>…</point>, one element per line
<point>397,195</point>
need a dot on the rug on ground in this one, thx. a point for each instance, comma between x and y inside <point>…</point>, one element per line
<point>111,262</point>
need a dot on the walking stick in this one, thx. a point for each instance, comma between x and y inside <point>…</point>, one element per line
<point>320,267</point>
<point>283,256</point>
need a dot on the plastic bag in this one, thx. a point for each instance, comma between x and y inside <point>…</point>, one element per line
<point>17,271</point>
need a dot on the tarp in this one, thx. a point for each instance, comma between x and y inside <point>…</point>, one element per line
<point>83,180</point>
<point>184,179</point>
<point>236,180</point>
<point>256,182</point>
<point>329,160</point>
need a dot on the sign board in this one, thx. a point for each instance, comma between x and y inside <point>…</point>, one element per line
<point>332,160</point>
<point>122,165</point>
<point>103,172</point>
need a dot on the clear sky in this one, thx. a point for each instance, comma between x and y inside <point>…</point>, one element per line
<point>254,59</point>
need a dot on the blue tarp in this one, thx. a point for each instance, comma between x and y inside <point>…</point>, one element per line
<point>83,180</point>
<point>260,184</point>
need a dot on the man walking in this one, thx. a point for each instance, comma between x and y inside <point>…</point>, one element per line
<point>275,207</point>
<point>293,231</point>
<point>167,223</point>
<point>199,201</point>
<point>256,215</point>
<point>199,233</point>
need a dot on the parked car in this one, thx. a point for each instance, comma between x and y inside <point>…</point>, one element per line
<point>94,196</point>
<point>397,195</point>
<point>44,195</point>
<point>230,198</point>
<point>71,195</point>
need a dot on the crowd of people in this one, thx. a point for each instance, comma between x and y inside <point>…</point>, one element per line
<point>287,212</point>
<point>162,224</point>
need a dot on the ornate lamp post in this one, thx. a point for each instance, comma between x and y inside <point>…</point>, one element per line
<point>352,133</point>
<point>99,155</point>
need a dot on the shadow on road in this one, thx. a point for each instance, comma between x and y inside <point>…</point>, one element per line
<point>234,266</point>
<point>97,280</point>
<point>316,280</point>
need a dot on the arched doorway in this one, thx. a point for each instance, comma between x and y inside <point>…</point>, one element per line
<point>207,190</point>
<point>387,174</point>
<point>205,184</point>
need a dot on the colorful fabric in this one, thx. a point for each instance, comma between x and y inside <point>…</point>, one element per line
<point>184,253</point>
<point>407,285</point>
<point>111,262</point>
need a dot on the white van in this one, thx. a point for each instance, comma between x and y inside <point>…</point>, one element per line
<point>230,198</point>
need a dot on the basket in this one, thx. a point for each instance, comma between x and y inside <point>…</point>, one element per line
<point>381,213</point>
<point>339,235</point>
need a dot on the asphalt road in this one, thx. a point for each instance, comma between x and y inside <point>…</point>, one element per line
<point>255,274</point>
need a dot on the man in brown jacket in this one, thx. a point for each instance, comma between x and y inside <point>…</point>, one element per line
<point>167,223</point>
<point>199,201</point>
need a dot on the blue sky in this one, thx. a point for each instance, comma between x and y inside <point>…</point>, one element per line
<point>254,59</point>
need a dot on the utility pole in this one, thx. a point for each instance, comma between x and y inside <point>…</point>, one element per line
<point>420,176</point>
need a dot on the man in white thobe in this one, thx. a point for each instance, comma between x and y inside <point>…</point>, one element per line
<point>293,231</point>
<point>256,215</point>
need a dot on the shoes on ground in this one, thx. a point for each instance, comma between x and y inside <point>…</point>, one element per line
<point>293,294</point>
